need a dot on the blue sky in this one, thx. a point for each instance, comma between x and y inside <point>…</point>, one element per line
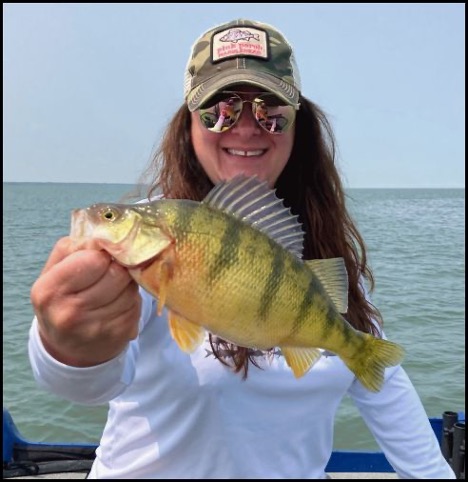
<point>89,88</point>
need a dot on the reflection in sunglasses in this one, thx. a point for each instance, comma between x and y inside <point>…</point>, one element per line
<point>268,110</point>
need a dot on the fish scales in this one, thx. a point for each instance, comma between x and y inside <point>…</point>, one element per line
<point>248,277</point>
<point>236,272</point>
<point>232,265</point>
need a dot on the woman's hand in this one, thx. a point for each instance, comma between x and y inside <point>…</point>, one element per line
<point>87,305</point>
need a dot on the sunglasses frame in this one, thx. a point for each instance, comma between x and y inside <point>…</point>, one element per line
<point>203,111</point>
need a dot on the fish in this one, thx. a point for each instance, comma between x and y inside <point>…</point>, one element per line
<point>237,34</point>
<point>232,265</point>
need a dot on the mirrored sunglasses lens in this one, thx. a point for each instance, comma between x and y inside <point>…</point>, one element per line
<point>222,115</point>
<point>272,116</point>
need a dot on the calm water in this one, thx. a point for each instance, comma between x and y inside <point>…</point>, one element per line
<point>416,249</point>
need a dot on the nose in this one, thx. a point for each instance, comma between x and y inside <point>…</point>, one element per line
<point>246,124</point>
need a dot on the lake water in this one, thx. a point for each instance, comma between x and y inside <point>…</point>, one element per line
<point>416,243</point>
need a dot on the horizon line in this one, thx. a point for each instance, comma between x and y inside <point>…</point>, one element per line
<point>136,184</point>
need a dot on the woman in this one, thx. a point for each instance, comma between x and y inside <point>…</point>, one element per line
<point>224,411</point>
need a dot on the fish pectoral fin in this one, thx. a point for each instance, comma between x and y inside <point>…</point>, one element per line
<point>187,335</point>
<point>301,360</point>
<point>333,275</point>
<point>165,274</point>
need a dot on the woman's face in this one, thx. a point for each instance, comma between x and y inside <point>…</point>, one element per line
<point>245,148</point>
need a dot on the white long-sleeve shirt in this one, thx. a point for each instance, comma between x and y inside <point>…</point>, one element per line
<point>174,415</point>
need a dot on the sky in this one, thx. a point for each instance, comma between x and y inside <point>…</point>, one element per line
<point>89,88</point>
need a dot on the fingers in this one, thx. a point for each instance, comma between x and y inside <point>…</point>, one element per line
<point>75,272</point>
<point>61,250</point>
<point>110,287</point>
<point>87,306</point>
<point>124,313</point>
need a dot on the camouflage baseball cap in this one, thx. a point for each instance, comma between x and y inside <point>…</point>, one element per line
<point>241,51</point>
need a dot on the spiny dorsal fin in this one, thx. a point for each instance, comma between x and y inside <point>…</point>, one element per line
<point>334,278</point>
<point>252,201</point>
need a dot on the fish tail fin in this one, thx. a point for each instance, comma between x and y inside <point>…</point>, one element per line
<point>372,358</point>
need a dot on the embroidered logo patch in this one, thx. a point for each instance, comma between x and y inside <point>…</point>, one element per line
<point>240,41</point>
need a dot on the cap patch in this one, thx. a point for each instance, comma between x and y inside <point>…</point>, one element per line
<point>236,42</point>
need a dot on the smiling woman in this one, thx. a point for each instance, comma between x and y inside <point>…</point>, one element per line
<point>289,287</point>
<point>247,146</point>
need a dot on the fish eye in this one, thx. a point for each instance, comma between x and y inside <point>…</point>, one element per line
<point>110,214</point>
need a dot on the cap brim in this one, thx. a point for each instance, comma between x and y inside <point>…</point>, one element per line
<point>204,91</point>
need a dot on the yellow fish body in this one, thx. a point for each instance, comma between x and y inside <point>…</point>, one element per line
<point>232,265</point>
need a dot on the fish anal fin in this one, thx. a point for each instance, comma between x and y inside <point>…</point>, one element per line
<point>301,360</point>
<point>187,335</point>
<point>334,278</point>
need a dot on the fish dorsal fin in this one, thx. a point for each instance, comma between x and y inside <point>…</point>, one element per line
<point>334,278</point>
<point>255,203</point>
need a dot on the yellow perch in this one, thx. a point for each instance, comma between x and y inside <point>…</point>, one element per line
<point>232,265</point>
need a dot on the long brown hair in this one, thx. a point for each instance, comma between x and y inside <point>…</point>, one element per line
<point>310,185</point>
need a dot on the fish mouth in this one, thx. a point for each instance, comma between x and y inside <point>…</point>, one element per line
<point>81,229</point>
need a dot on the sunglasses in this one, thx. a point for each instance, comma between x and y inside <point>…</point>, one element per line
<point>223,110</point>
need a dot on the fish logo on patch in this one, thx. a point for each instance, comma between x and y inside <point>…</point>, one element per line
<point>238,34</point>
<point>237,42</point>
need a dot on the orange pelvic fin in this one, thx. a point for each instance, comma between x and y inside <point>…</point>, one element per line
<point>187,335</point>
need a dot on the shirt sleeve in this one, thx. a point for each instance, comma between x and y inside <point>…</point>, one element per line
<point>396,418</point>
<point>94,385</point>
<point>399,424</point>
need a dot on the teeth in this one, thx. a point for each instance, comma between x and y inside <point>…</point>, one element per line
<point>235,152</point>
